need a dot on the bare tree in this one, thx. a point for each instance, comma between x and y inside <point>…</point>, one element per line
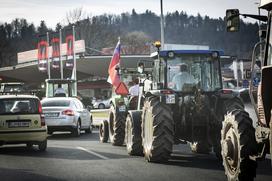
<point>136,42</point>
<point>75,15</point>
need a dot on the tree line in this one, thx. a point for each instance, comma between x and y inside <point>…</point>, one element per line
<point>135,29</point>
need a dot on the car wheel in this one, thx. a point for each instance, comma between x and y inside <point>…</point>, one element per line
<point>42,145</point>
<point>77,130</point>
<point>90,128</point>
<point>101,106</point>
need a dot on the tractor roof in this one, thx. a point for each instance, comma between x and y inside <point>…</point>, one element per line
<point>164,53</point>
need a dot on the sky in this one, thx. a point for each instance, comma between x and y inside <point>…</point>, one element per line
<point>54,11</point>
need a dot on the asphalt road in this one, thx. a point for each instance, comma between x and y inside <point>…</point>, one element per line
<point>84,158</point>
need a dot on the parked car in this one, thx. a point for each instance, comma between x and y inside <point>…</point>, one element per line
<point>22,121</point>
<point>66,114</point>
<point>101,104</point>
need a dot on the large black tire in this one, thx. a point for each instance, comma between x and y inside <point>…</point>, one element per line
<point>104,132</point>
<point>238,144</point>
<point>227,107</point>
<point>133,133</point>
<point>270,141</point>
<point>157,130</point>
<point>117,121</point>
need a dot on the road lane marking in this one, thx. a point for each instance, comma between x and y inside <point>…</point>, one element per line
<point>93,153</point>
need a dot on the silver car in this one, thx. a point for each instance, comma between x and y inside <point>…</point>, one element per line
<point>66,114</point>
<point>101,104</point>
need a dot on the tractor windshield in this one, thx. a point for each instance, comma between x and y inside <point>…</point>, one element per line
<point>189,71</point>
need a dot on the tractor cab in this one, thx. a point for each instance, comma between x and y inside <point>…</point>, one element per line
<point>67,85</point>
<point>184,71</point>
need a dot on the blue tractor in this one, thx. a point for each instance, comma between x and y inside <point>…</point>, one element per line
<point>185,103</point>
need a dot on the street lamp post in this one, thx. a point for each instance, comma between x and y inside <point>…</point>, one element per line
<point>162,26</point>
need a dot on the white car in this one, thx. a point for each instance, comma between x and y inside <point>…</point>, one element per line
<point>101,104</point>
<point>22,121</point>
<point>66,114</point>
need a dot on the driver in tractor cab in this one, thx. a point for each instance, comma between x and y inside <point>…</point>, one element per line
<point>182,77</point>
<point>60,92</point>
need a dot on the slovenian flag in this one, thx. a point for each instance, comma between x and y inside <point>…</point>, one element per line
<point>114,78</point>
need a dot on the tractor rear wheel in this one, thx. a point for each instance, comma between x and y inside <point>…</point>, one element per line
<point>238,145</point>
<point>157,130</point>
<point>133,134</point>
<point>117,127</point>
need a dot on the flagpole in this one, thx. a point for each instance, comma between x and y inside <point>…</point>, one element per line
<point>61,65</point>
<point>74,55</point>
<point>48,63</point>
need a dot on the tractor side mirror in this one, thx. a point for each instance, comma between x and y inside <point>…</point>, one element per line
<point>233,20</point>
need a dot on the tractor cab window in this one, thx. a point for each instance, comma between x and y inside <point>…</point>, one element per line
<point>199,71</point>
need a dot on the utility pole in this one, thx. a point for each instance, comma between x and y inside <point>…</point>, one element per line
<point>74,55</point>
<point>162,26</point>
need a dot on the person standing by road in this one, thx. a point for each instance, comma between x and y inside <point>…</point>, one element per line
<point>134,90</point>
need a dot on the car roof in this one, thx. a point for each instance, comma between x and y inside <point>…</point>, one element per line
<point>17,96</point>
<point>59,98</point>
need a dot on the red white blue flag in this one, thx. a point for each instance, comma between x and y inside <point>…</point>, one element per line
<point>114,77</point>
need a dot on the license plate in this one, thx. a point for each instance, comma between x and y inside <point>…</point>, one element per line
<point>170,99</point>
<point>18,124</point>
<point>122,108</point>
<point>50,115</point>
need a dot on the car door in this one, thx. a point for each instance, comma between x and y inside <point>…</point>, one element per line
<point>85,117</point>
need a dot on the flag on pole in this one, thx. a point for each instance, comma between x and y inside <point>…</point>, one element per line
<point>114,77</point>
<point>42,53</point>
<point>55,43</point>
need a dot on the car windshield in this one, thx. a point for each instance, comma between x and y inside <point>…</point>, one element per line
<point>193,70</point>
<point>19,106</point>
<point>56,103</point>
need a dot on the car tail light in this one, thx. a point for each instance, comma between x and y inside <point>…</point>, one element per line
<point>68,112</point>
<point>40,108</point>
<point>42,120</point>
<point>227,91</point>
<point>167,92</point>
<point>41,114</point>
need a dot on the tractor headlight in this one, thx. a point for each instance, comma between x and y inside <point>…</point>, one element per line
<point>215,54</point>
<point>170,99</point>
<point>171,54</point>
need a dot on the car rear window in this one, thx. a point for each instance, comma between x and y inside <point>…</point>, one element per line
<point>19,106</point>
<point>56,103</point>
